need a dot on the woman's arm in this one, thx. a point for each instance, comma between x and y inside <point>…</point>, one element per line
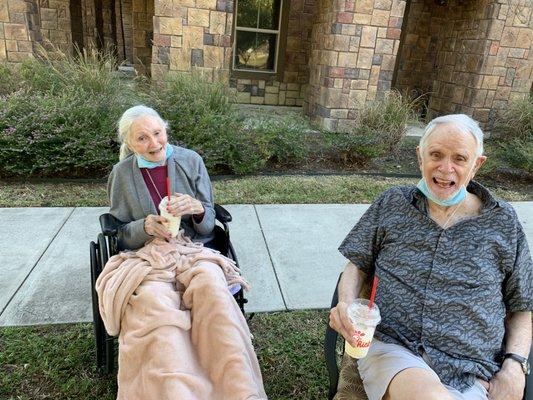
<point>131,235</point>
<point>205,224</point>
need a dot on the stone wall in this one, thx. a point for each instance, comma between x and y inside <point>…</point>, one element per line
<point>470,56</point>
<point>193,35</point>
<point>143,31</point>
<point>19,21</point>
<point>353,54</point>
<point>55,23</point>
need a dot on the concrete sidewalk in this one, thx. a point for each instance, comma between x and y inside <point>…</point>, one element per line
<point>287,252</point>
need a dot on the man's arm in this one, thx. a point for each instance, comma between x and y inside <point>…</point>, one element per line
<point>510,381</point>
<point>349,287</point>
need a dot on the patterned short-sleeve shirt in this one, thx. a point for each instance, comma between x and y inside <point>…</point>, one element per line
<point>444,292</point>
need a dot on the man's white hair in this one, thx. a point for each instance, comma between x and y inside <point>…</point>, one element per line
<point>462,122</point>
<point>127,119</point>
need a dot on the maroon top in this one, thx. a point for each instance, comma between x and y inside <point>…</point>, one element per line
<point>159,176</point>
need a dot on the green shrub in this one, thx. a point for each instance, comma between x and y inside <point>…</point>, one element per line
<point>62,120</point>
<point>353,149</point>
<point>385,121</point>
<point>203,117</point>
<point>285,136</point>
<point>519,154</point>
<point>61,135</point>
<point>8,80</point>
<point>516,122</point>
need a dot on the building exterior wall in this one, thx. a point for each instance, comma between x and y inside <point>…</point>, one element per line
<point>19,30</point>
<point>55,24</point>
<point>354,47</point>
<point>470,57</point>
<point>290,87</point>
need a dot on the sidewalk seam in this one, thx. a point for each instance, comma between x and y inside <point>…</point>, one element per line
<point>270,257</point>
<point>36,262</point>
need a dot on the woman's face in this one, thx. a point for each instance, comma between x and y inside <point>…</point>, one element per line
<point>148,138</point>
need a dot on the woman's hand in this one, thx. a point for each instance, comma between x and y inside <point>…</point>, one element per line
<point>153,225</point>
<point>183,204</point>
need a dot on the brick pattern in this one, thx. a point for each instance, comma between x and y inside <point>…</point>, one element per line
<point>193,36</point>
<point>353,53</point>
<point>16,36</point>
<point>472,56</point>
<point>55,24</point>
<point>143,34</point>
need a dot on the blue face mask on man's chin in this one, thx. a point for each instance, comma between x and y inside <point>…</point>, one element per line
<point>456,198</point>
<point>144,163</point>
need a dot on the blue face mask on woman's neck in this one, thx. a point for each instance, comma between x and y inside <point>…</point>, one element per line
<point>459,196</point>
<point>144,163</point>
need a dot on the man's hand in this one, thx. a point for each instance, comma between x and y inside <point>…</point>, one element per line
<point>183,204</point>
<point>153,225</point>
<point>339,320</point>
<point>508,383</point>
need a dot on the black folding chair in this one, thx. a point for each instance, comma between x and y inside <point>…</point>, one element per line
<point>333,352</point>
<point>106,246</point>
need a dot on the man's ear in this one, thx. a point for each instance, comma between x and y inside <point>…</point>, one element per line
<point>479,162</point>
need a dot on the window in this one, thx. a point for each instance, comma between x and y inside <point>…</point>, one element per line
<point>257,35</point>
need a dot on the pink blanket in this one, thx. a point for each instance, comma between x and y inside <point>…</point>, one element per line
<point>181,333</point>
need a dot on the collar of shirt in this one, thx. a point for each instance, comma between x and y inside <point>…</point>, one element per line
<point>488,201</point>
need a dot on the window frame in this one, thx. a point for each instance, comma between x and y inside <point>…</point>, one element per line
<point>281,45</point>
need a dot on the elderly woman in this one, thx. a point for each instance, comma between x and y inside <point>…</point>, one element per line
<point>137,184</point>
<point>182,334</point>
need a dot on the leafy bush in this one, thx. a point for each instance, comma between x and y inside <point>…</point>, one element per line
<point>7,80</point>
<point>203,117</point>
<point>516,122</point>
<point>519,154</point>
<point>285,136</point>
<point>385,120</point>
<point>349,148</point>
<point>62,120</point>
<point>66,135</point>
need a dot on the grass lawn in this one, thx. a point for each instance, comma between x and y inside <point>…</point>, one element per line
<point>294,189</point>
<point>58,361</point>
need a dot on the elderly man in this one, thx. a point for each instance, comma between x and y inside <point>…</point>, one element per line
<point>455,280</point>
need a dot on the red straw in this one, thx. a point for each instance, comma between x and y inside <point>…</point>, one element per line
<point>373,292</point>
<point>168,188</point>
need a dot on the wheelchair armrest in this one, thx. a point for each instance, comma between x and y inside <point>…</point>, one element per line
<point>110,224</point>
<point>222,214</point>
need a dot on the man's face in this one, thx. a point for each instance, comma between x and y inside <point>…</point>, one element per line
<point>148,138</point>
<point>448,160</point>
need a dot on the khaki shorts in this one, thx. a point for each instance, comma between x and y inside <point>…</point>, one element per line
<point>385,360</point>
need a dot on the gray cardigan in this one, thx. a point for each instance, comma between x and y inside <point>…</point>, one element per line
<point>130,200</point>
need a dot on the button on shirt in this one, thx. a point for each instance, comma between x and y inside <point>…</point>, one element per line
<point>444,292</point>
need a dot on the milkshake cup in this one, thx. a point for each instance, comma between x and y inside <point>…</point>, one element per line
<point>173,223</point>
<point>364,321</point>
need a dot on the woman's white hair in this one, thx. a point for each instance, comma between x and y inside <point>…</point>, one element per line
<point>126,121</point>
<point>462,122</point>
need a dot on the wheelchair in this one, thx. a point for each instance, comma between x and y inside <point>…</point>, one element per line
<point>334,351</point>
<point>107,245</point>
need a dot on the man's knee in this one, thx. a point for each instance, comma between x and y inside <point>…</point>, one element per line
<point>416,384</point>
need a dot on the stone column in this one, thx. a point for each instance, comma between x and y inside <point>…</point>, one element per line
<point>143,30</point>
<point>193,36</point>
<point>19,29</point>
<point>353,53</point>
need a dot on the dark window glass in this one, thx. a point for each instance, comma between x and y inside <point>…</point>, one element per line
<point>262,14</point>
<point>255,51</point>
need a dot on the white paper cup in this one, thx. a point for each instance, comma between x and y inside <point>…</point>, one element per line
<point>364,321</point>
<point>173,223</point>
